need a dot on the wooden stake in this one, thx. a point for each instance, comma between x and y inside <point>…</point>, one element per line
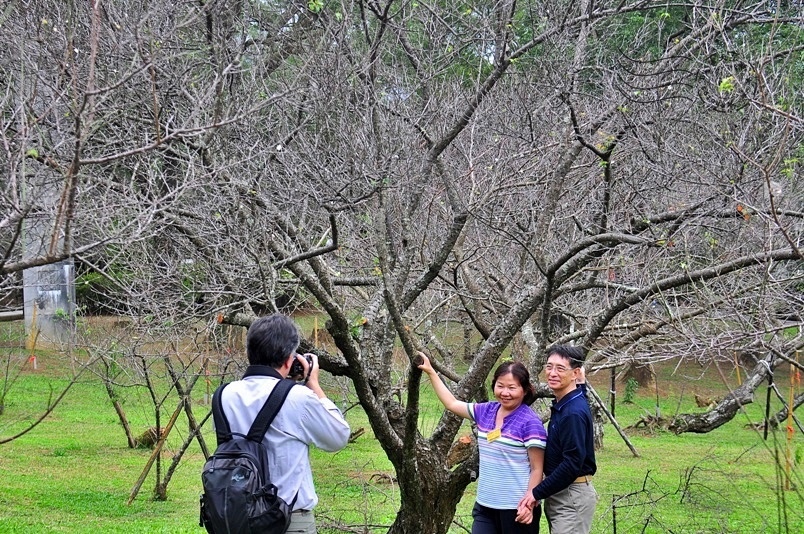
<point>613,421</point>
<point>157,451</point>
<point>789,428</point>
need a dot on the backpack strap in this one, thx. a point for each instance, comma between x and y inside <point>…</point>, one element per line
<point>223,432</point>
<point>269,410</point>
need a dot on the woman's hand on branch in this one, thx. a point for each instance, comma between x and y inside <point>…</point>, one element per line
<point>425,366</point>
<point>443,393</point>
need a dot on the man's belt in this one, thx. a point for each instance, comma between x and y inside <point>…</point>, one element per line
<point>585,479</point>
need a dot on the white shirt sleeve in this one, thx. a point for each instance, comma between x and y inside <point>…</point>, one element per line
<point>323,424</point>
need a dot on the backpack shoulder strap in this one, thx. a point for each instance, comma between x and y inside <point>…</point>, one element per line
<point>223,431</point>
<point>270,409</point>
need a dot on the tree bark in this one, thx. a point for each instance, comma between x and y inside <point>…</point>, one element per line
<point>727,408</point>
<point>121,415</point>
<point>431,493</point>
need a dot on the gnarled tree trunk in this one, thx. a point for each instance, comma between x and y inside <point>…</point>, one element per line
<point>727,408</point>
<point>430,493</point>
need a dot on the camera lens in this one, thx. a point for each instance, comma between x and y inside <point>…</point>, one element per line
<point>297,369</point>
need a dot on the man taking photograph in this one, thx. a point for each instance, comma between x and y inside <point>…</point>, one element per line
<point>306,418</point>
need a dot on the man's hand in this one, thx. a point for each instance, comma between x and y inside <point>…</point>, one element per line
<point>526,503</point>
<point>311,372</point>
<point>581,375</point>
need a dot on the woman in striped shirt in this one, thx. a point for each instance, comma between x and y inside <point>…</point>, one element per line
<point>511,440</point>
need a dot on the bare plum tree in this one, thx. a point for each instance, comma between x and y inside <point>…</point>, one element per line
<point>625,176</point>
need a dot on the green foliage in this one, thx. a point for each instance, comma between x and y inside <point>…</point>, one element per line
<point>356,327</point>
<point>193,278</point>
<point>726,85</point>
<point>788,169</point>
<point>61,315</point>
<point>93,290</point>
<point>315,6</point>
<point>640,34</point>
<point>785,41</point>
<point>631,386</point>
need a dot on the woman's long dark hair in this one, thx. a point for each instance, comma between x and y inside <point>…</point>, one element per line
<point>521,373</point>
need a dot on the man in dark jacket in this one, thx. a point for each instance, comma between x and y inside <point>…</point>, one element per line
<point>569,459</point>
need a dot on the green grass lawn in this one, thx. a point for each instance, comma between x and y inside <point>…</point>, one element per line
<point>74,472</point>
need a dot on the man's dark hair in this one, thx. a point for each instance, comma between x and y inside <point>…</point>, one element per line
<point>575,355</point>
<point>270,340</point>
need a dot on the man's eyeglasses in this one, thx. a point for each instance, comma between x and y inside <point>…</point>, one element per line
<point>557,368</point>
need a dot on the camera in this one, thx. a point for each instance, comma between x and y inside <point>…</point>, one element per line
<point>296,368</point>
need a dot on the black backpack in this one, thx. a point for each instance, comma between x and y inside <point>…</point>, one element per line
<point>238,495</point>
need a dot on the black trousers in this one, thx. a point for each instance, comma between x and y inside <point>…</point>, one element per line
<point>492,521</point>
